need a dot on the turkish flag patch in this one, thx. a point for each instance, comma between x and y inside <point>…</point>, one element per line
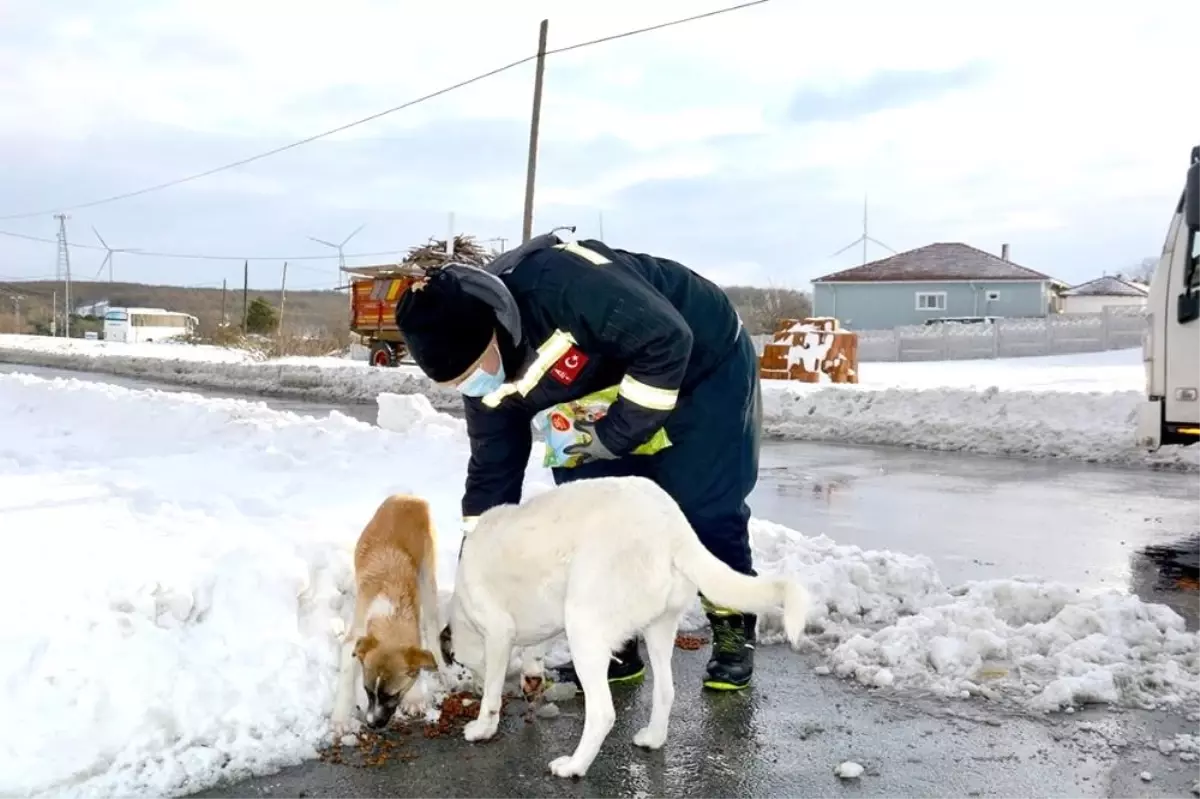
<point>567,368</point>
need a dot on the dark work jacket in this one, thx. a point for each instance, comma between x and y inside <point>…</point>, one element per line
<point>591,317</point>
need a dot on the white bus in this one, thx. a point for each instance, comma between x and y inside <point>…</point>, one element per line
<point>136,325</point>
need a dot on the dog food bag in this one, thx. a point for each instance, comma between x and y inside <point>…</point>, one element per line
<point>558,425</point>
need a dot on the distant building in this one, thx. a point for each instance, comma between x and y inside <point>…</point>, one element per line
<point>946,279</point>
<point>1103,292</point>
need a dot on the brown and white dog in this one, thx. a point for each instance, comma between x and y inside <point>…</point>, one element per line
<point>395,631</point>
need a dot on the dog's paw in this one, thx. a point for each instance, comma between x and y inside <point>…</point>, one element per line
<point>411,707</point>
<point>340,728</point>
<point>649,738</point>
<point>567,766</point>
<point>481,729</point>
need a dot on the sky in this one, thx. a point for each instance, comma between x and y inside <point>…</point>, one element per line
<point>742,145</point>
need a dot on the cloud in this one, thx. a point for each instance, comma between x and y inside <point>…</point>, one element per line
<point>741,145</point>
<point>887,89</point>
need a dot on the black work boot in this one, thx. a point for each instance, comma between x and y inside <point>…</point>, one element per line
<point>626,666</point>
<point>732,663</point>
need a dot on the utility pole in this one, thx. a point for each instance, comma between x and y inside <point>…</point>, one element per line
<point>224,318</point>
<point>245,294</point>
<point>534,124</point>
<point>601,215</point>
<point>54,313</point>
<point>64,266</point>
<point>282,298</point>
<point>16,301</point>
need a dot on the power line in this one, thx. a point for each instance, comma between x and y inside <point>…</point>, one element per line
<point>206,257</point>
<point>392,110</point>
<point>34,278</point>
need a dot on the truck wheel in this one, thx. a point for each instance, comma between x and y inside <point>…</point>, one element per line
<point>382,354</point>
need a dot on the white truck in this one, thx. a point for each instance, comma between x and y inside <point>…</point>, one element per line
<point>1171,346</point>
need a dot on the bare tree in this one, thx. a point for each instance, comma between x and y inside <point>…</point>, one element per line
<point>1144,270</point>
<point>762,308</point>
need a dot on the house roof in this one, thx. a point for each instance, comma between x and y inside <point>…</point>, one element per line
<point>941,261</point>
<point>1107,287</point>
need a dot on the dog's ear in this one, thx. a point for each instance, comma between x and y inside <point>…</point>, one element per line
<point>364,645</point>
<point>417,659</point>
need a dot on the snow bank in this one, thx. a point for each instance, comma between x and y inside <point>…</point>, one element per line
<point>1093,427</point>
<point>320,379</point>
<point>182,565</point>
<point>886,620</point>
<point>1111,370</point>
<point>155,350</point>
<point>1080,407</point>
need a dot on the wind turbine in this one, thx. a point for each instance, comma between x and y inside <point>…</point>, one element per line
<point>108,257</point>
<point>864,238</point>
<point>338,247</point>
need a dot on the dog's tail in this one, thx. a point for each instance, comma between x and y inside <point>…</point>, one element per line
<point>723,586</point>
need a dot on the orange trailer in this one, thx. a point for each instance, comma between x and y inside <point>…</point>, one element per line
<point>374,292</point>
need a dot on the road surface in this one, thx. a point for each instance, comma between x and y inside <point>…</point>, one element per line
<point>976,518</point>
<point>782,738</point>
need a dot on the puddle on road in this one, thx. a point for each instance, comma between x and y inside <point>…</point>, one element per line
<point>1169,574</point>
<point>987,518</point>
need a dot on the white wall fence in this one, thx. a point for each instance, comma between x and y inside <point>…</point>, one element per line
<point>1115,328</point>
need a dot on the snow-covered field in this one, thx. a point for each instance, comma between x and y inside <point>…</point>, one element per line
<point>179,568</point>
<point>1080,407</point>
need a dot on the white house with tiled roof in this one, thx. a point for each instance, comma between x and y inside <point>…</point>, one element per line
<point>1104,292</point>
<point>947,279</point>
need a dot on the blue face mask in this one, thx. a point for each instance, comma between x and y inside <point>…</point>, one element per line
<point>480,383</point>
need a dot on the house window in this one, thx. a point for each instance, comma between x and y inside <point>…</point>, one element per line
<point>993,296</point>
<point>931,300</point>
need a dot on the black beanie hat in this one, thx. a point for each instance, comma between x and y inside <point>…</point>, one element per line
<point>446,329</point>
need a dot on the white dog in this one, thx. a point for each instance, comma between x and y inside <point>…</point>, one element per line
<point>601,559</point>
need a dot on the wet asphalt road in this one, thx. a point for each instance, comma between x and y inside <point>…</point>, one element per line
<point>976,518</point>
<point>784,737</point>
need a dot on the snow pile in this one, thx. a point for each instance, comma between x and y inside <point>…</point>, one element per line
<point>1184,745</point>
<point>326,379</point>
<point>181,566</point>
<point>885,619</point>
<point>992,421</point>
<point>1108,371</point>
<point>407,413</point>
<point>153,350</point>
<point>1080,407</point>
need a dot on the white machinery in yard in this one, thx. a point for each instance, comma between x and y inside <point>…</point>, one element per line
<point>1171,347</point>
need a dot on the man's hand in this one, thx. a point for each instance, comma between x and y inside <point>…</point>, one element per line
<point>592,449</point>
